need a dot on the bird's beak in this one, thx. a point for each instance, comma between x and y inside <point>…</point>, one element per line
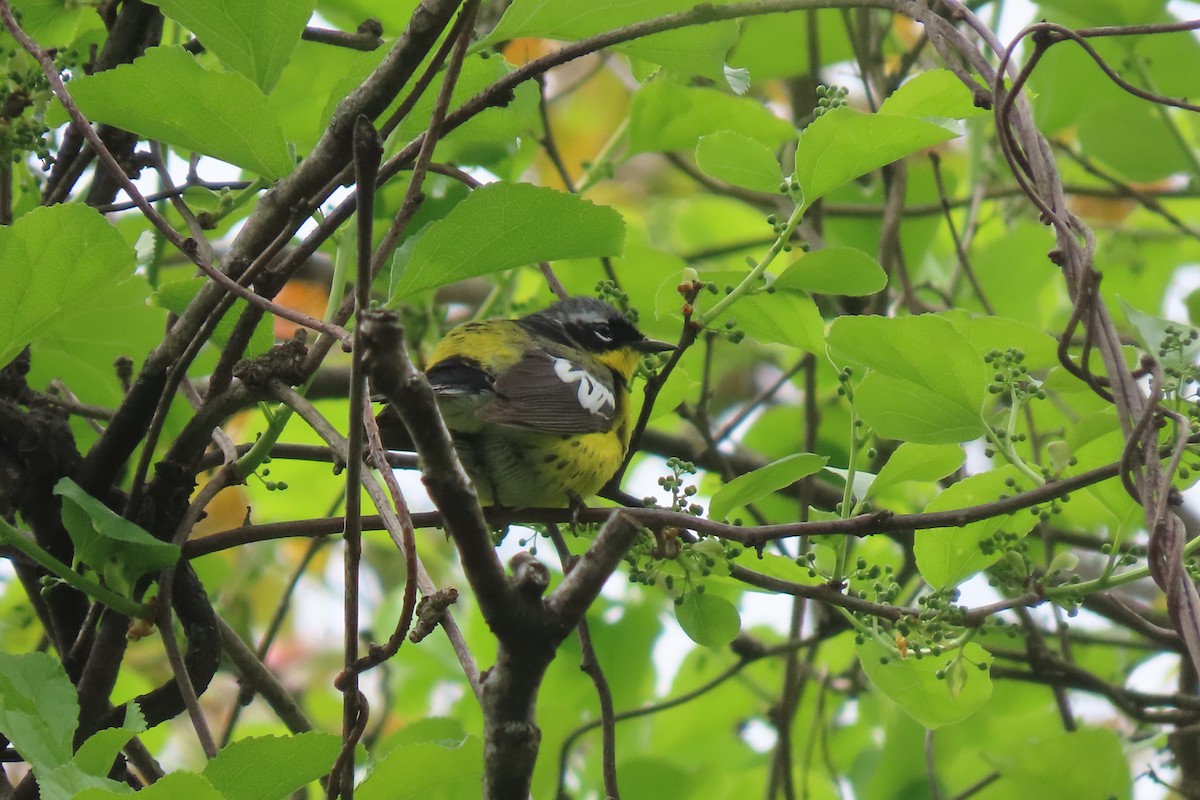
<point>652,346</point>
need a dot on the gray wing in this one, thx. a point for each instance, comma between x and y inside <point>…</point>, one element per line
<point>554,394</point>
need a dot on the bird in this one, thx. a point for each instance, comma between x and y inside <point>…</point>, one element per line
<point>538,407</point>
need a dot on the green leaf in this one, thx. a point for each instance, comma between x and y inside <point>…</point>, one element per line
<point>1130,137</point>
<point>843,144</point>
<point>917,462</point>
<point>911,412</point>
<point>113,546</point>
<point>948,556</point>
<point>97,754</point>
<point>1001,333</point>
<point>306,95</point>
<point>1153,332</point>
<point>913,684</point>
<point>255,39</point>
<point>667,116</point>
<point>763,481</point>
<point>269,767</point>
<point>834,270</point>
<point>927,382</point>
<point>68,782</point>
<point>443,731</point>
<point>698,49</point>
<point>175,786</point>
<point>708,619</point>
<point>789,318</point>
<point>85,340</point>
<point>443,772</point>
<point>936,93</point>
<point>516,118</point>
<point>38,708</point>
<point>736,158</point>
<point>1192,303</point>
<point>166,95</point>
<point>776,45</point>
<point>175,295</point>
<point>1085,763</point>
<point>53,262</point>
<point>678,388</point>
<point>53,23</point>
<point>505,225</point>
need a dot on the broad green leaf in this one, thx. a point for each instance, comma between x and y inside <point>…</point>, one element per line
<point>1129,136</point>
<point>1165,60</point>
<point>936,93</point>
<point>97,754</point>
<point>166,95</point>
<point>664,777</point>
<point>53,23</point>
<point>912,682</point>
<point>68,781</point>
<point>1154,332</point>
<point>1001,333</point>
<point>1105,504</point>
<point>269,767</point>
<point>442,731</point>
<point>346,14</point>
<point>53,263</point>
<point>517,118</point>
<point>1192,303</point>
<point>927,382</point>
<point>925,350</point>
<point>175,295</point>
<point>38,708</point>
<point>708,619</point>
<point>255,39</point>
<point>444,772</point>
<point>787,317</point>
<point>834,270</point>
<point>175,786</point>
<point>948,556</point>
<point>763,481</point>
<point>668,116</point>
<point>83,342</point>
<point>1090,762</point>
<point>843,144</point>
<point>776,45</point>
<point>505,225</point>
<point>1016,276</point>
<point>737,159</point>
<point>679,387</point>
<point>110,544</point>
<point>918,462</point>
<point>304,98</point>
<point>699,49</point>
<point>912,412</point>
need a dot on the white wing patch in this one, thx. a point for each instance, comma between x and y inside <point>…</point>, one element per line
<point>593,395</point>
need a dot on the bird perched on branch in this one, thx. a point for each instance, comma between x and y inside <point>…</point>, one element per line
<point>538,406</point>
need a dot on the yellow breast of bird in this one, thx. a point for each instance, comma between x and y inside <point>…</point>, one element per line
<point>525,467</point>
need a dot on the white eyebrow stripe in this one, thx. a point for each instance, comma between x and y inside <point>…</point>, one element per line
<point>593,395</point>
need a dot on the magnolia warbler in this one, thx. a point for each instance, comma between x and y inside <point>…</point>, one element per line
<point>538,406</point>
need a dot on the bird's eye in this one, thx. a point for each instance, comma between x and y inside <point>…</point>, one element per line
<point>603,333</point>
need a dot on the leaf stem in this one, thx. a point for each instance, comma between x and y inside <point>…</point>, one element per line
<point>748,282</point>
<point>1006,449</point>
<point>277,420</point>
<point>601,167</point>
<point>1110,581</point>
